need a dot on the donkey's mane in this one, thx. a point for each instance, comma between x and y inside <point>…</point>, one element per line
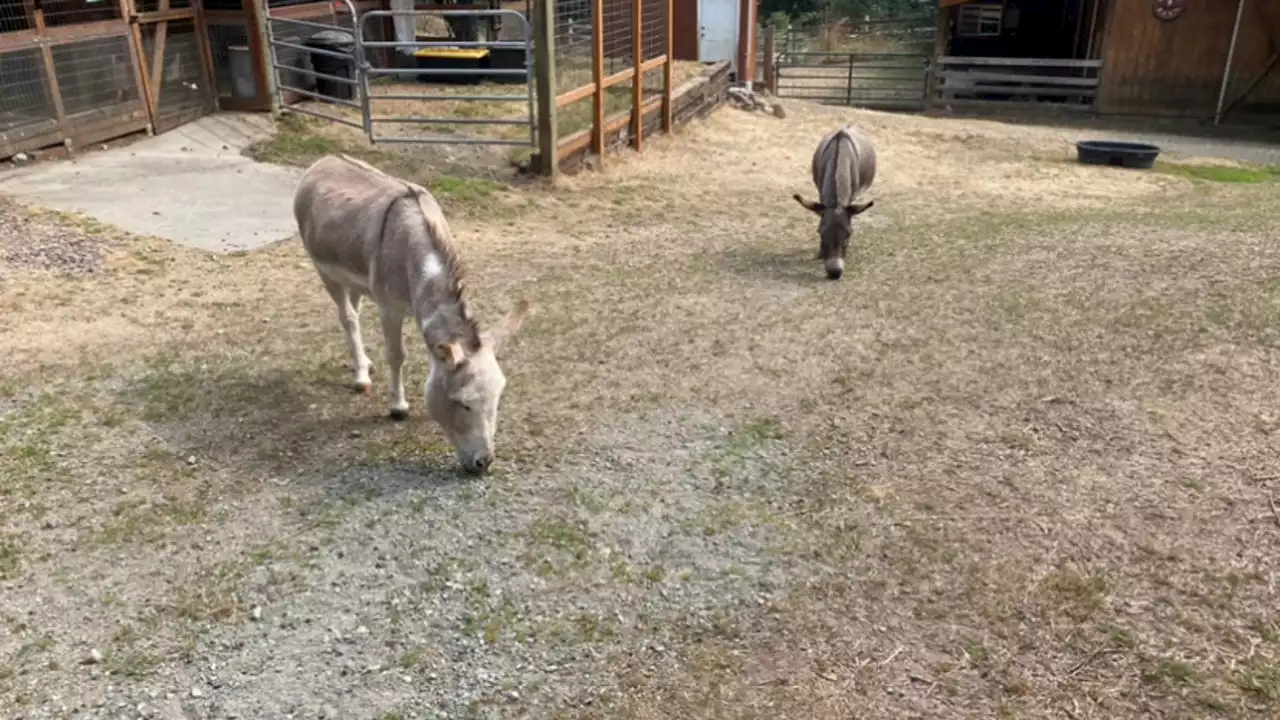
<point>443,246</point>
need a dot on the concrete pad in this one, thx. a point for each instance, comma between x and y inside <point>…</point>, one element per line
<point>191,185</point>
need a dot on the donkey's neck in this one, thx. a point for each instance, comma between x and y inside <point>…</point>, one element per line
<point>438,296</point>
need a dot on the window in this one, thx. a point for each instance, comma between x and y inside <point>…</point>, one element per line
<point>979,20</point>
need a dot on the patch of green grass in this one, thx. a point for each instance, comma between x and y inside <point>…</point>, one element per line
<point>1075,594</point>
<point>571,536</point>
<point>1169,670</point>
<point>411,658</point>
<point>1220,173</point>
<point>1260,681</point>
<point>298,140</point>
<point>754,435</point>
<point>977,652</point>
<point>131,663</point>
<point>1268,630</point>
<point>10,558</point>
<point>464,189</point>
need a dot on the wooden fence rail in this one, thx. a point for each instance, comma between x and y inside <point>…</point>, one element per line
<point>977,81</point>
<point>621,31</point>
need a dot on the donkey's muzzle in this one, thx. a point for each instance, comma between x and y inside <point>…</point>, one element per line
<point>479,465</point>
<point>835,273</point>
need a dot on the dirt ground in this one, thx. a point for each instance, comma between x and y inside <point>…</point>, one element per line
<point>1021,462</point>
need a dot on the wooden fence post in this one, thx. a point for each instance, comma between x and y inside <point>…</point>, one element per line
<point>770,54</point>
<point>544,65</point>
<point>637,82</point>
<point>668,72</point>
<point>597,77</point>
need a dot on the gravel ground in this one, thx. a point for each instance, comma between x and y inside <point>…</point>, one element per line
<point>29,243</point>
<point>1015,464</point>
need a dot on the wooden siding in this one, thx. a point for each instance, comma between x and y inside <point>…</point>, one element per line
<point>1175,67</point>
<point>685,29</point>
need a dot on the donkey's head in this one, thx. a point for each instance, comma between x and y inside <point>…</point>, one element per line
<point>834,228</point>
<point>465,387</point>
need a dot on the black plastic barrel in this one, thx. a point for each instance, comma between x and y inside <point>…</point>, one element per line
<point>344,67</point>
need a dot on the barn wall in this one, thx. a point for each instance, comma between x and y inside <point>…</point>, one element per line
<point>686,30</point>
<point>1175,68</point>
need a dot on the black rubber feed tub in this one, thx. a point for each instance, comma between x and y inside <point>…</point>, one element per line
<point>1120,154</point>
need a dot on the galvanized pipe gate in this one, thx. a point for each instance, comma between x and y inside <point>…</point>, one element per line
<point>355,66</point>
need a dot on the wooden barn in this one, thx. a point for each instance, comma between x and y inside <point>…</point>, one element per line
<point>1200,59</point>
<point>717,31</point>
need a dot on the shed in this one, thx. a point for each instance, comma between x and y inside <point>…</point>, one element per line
<point>1187,58</point>
<point>717,31</point>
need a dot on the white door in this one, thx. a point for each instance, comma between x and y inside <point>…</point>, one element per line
<point>718,31</point>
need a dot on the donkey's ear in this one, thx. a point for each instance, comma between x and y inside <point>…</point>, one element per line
<point>810,206</point>
<point>859,208</point>
<point>510,324</point>
<point>449,353</point>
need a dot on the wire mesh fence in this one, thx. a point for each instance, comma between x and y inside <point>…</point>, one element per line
<point>25,105</point>
<point>233,75</point>
<point>180,87</point>
<point>57,13</point>
<point>615,32</point>
<point>69,88</point>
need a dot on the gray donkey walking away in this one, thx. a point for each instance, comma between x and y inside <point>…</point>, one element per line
<point>844,166</point>
<point>370,234</point>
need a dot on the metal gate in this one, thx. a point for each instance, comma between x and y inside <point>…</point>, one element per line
<point>353,70</point>
<point>882,64</point>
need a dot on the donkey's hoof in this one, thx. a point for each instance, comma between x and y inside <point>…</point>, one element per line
<point>399,414</point>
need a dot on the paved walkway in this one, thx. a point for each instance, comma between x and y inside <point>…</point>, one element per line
<point>191,185</point>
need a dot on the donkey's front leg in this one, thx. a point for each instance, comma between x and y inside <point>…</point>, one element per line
<point>393,334</point>
<point>349,316</point>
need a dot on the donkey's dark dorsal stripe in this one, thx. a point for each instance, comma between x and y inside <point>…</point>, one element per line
<point>844,166</point>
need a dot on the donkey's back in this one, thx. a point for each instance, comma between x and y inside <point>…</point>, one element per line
<point>844,165</point>
<point>341,206</point>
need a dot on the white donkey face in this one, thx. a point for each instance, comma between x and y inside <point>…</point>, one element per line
<point>463,393</point>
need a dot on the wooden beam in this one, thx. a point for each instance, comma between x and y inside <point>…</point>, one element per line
<point>1028,62</point>
<point>302,12</point>
<point>1021,90</point>
<point>206,53</point>
<point>770,58</point>
<point>51,84</point>
<point>259,52</point>
<point>135,59</point>
<point>1017,78</point>
<point>1266,70</point>
<point>637,82</point>
<point>544,45</point>
<point>575,95</point>
<point>60,35</point>
<point>148,18</point>
<point>138,52</point>
<point>617,78</point>
<point>157,61</point>
<point>668,70</point>
<point>597,79</point>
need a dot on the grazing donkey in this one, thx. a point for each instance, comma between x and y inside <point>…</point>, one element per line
<point>368,233</point>
<point>844,166</point>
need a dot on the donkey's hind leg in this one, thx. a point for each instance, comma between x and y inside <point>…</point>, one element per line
<point>393,337</point>
<point>349,315</point>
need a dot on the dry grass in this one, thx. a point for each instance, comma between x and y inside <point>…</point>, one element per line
<point>1020,462</point>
